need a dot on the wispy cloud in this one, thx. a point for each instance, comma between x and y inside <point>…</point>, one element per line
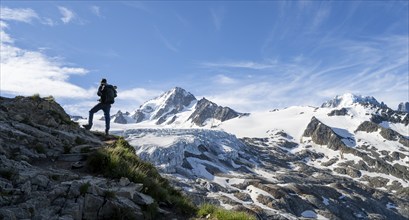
<point>217,15</point>
<point>18,14</point>
<point>4,37</point>
<point>320,16</point>
<point>224,80</point>
<point>137,5</point>
<point>377,67</point>
<point>48,21</point>
<point>96,10</point>
<point>165,41</point>
<point>67,14</point>
<point>238,64</point>
<point>26,15</point>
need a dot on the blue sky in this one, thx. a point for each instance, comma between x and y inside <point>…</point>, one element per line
<point>247,55</point>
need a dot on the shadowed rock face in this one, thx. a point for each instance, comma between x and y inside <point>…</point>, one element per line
<point>338,112</point>
<point>206,109</point>
<point>323,135</point>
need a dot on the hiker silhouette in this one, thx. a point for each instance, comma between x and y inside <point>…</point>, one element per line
<point>107,95</point>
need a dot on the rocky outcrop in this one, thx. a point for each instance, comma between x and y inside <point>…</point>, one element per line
<point>368,126</point>
<point>31,192</point>
<point>206,109</point>
<point>338,112</point>
<point>323,135</point>
<point>34,127</point>
<point>386,133</point>
<point>389,115</point>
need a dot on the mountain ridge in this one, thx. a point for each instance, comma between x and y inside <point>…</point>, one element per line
<point>177,105</point>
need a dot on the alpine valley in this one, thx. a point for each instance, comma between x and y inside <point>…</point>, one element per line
<point>347,159</point>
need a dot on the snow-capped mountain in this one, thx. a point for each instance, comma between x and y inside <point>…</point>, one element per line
<point>403,107</point>
<point>346,160</point>
<point>165,107</point>
<point>349,99</point>
<point>176,107</point>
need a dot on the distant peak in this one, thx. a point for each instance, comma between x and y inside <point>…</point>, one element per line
<point>348,99</point>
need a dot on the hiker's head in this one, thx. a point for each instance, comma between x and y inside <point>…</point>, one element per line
<point>103,81</point>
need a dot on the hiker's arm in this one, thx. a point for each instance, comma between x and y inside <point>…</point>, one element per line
<point>101,87</point>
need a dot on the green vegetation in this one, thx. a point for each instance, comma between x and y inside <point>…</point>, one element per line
<point>119,160</point>
<point>222,214</point>
<point>36,97</point>
<point>50,98</point>
<point>84,188</point>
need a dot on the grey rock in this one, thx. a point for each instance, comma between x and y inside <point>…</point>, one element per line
<point>124,181</point>
<point>403,107</point>
<point>338,112</point>
<point>368,126</point>
<point>323,135</point>
<point>92,205</point>
<point>206,109</point>
<point>142,199</point>
<point>40,180</point>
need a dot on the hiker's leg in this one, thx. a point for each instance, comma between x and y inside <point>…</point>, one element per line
<point>95,109</point>
<point>106,108</point>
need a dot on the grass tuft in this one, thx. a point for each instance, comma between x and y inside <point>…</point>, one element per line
<point>119,160</point>
<point>214,212</point>
<point>84,188</point>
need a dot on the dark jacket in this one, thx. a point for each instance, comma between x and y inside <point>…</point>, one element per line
<point>102,91</point>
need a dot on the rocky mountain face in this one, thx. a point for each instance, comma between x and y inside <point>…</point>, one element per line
<point>43,174</point>
<point>403,107</point>
<point>206,109</point>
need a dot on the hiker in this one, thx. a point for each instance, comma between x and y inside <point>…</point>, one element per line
<point>107,93</point>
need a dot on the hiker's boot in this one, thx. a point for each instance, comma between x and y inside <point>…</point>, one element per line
<point>87,127</point>
<point>106,132</point>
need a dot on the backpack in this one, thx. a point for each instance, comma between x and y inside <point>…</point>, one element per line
<point>110,94</point>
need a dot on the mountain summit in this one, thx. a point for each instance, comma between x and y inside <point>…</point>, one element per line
<point>165,106</point>
<point>349,99</point>
<point>179,106</point>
